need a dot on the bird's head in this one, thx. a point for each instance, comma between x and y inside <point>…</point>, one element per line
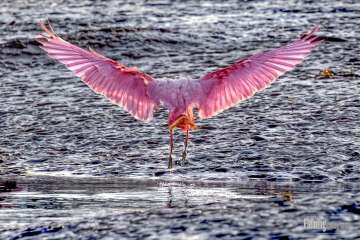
<point>181,119</point>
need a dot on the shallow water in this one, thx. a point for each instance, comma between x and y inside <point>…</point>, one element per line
<point>85,168</point>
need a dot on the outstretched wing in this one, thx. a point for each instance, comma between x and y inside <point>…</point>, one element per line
<point>124,86</point>
<point>226,87</point>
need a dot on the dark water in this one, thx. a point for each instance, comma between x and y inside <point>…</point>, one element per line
<point>72,165</point>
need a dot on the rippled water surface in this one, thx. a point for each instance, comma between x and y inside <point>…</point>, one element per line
<point>72,165</point>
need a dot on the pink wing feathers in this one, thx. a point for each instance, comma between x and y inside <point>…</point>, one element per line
<point>124,86</point>
<point>227,86</point>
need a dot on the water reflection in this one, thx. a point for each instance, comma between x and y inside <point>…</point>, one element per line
<point>60,202</point>
<point>64,193</point>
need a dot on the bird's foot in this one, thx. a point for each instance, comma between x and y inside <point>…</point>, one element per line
<point>170,164</point>
<point>183,159</point>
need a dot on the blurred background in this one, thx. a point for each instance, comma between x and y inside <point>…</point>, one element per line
<point>73,165</point>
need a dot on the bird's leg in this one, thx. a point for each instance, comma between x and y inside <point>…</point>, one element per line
<point>186,139</point>
<point>170,164</point>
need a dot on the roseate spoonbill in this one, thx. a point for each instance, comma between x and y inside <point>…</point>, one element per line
<point>140,94</point>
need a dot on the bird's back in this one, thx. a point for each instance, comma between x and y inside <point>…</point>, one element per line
<point>177,93</point>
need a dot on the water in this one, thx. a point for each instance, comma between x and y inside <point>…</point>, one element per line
<point>72,165</point>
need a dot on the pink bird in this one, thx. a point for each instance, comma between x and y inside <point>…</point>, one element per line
<point>140,94</point>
